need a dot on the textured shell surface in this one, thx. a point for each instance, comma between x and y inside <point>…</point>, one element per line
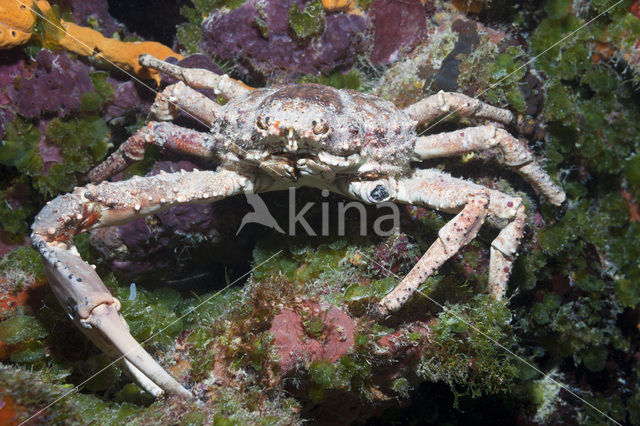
<point>308,119</point>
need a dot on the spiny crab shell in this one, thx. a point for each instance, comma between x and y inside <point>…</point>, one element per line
<point>340,127</point>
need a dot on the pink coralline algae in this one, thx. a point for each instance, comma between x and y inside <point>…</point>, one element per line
<point>398,26</point>
<point>56,86</point>
<point>294,346</point>
<point>257,37</point>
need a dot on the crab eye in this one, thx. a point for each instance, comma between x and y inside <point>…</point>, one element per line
<point>379,193</point>
<point>320,128</point>
<point>353,129</point>
<point>262,122</point>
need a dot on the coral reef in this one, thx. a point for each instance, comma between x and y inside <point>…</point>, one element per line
<point>291,341</point>
<point>58,116</point>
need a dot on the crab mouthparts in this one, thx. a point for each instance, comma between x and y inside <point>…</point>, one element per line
<point>292,142</point>
<point>295,153</point>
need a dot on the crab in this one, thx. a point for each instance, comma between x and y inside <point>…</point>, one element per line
<point>274,138</point>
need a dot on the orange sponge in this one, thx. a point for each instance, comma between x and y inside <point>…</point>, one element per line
<point>18,19</point>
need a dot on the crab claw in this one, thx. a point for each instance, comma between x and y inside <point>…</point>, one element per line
<point>96,312</point>
<point>111,327</point>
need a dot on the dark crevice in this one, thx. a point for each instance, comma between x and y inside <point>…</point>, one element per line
<point>154,21</point>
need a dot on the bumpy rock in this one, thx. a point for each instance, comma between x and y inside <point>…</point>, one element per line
<point>95,13</point>
<point>398,26</point>
<point>258,38</point>
<point>56,86</point>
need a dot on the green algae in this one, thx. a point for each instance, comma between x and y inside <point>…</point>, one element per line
<point>465,354</point>
<point>401,386</point>
<point>339,80</point>
<point>496,75</point>
<point>313,325</point>
<point>34,391</point>
<point>152,314</point>
<point>13,220</point>
<point>507,70</point>
<point>19,145</point>
<point>557,9</point>
<point>90,101</point>
<point>189,33</point>
<point>48,29</point>
<point>82,142</point>
<point>347,374</point>
<point>23,263</point>
<point>102,87</point>
<point>307,22</point>
<point>18,329</point>
<point>364,4</point>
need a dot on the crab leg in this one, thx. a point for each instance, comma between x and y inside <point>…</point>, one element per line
<point>164,135</point>
<point>77,286</point>
<point>515,154</point>
<point>198,78</point>
<point>441,103</point>
<point>179,96</point>
<point>472,203</point>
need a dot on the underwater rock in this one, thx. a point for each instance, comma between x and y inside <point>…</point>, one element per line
<point>258,38</point>
<point>446,78</point>
<point>56,86</point>
<point>95,14</point>
<point>398,26</point>
<point>573,295</point>
<point>6,116</point>
<point>126,101</point>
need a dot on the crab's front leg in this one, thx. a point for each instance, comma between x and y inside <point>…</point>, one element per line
<point>162,134</point>
<point>515,154</point>
<point>198,78</point>
<point>472,203</point>
<point>179,96</point>
<point>431,107</point>
<point>77,286</point>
